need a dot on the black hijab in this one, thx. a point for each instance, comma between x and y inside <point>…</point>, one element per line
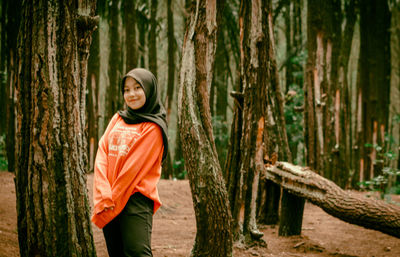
<point>152,110</point>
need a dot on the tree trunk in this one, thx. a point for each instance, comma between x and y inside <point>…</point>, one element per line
<point>114,97</point>
<point>323,44</point>
<point>291,211</point>
<point>349,207</point>
<point>12,12</point>
<point>92,99</point>
<point>167,166</point>
<point>343,106</point>
<point>213,218</point>
<point>130,35</point>
<point>52,203</point>
<point>153,38</point>
<point>373,82</point>
<point>3,71</point>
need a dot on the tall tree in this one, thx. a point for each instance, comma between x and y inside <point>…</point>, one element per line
<point>167,166</point>
<point>12,12</point>
<point>3,62</point>
<point>373,83</point>
<point>153,38</point>
<point>213,218</point>
<point>114,96</point>
<point>343,108</point>
<point>130,21</point>
<point>52,203</point>
<point>323,45</point>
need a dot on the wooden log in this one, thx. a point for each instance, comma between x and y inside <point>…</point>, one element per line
<point>347,206</point>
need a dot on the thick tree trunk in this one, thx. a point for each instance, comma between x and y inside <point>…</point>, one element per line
<point>52,203</point>
<point>349,207</point>
<point>210,200</point>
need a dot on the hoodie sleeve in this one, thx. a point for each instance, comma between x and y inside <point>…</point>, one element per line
<point>102,194</point>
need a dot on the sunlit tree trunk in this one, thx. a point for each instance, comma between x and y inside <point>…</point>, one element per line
<point>51,192</point>
<point>373,83</point>
<point>210,200</point>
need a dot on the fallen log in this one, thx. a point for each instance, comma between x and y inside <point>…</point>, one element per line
<point>347,206</point>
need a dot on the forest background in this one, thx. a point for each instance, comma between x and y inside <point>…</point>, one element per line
<point>337,71</point>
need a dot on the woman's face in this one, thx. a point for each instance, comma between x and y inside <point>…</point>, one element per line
<point>134,95</point>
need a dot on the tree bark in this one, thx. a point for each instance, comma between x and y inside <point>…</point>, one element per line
<point>52,203</point>
<point>349,207</point>
<point>210,200</point>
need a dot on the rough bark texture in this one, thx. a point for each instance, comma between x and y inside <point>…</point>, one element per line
<point>254,47</point>
<point>366,212</point>
<point>52,203</point>
<point>210,200</point>
<point>373,82</point>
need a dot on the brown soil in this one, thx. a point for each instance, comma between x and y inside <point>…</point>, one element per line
<point>174,230</point>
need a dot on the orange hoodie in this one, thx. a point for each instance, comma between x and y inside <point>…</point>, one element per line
<point>128,161</point>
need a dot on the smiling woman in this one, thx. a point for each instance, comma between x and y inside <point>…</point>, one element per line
<point>134,95</point>
<point>128,168</point>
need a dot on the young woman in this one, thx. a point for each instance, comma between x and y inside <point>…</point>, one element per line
<point>128,168</point>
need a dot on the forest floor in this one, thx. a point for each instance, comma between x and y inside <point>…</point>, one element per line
<point>174,230</point>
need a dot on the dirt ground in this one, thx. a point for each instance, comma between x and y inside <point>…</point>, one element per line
<point>174,230</point>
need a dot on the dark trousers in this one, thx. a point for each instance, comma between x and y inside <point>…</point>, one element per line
<point>129,234</point>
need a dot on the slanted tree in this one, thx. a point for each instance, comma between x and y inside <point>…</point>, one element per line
<point>347,206</point>
<point>210,200</point>
<point>51,192</point>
